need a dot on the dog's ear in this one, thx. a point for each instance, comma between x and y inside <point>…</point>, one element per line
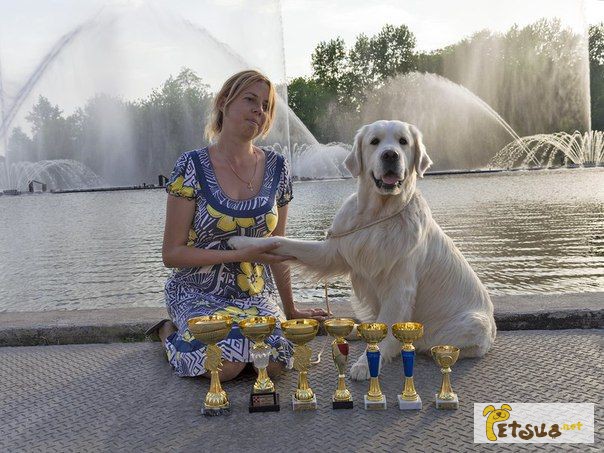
<point>506,407</point>
<point>422,160</point>
<point>354,161</point>
<point>488,410</point>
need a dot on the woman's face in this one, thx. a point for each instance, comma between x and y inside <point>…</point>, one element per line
<point>247,114</point>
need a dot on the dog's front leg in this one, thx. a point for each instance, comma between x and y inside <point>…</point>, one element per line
<point>395,306</point>
<point>317,256</point>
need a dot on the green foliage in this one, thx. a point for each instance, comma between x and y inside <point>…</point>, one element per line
<point>596,75</point>
<point>107,131</point>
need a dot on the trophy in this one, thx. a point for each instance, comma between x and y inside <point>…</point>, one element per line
<point>407,333</point>
<point>445,356</point>
<point>210,330</point>
<point>263,397</point>
<point>373,333</point>
<point>339,328</point>
<point>300,332</point>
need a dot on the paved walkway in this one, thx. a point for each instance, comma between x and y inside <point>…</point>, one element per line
<point>124,397</point>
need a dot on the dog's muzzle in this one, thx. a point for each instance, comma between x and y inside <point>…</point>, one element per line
<point>389,181</point>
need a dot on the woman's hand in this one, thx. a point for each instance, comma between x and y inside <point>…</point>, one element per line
<point>313,313</point>
<point>262,254</point>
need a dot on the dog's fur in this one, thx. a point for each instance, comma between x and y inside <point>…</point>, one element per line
<point>402,269</point>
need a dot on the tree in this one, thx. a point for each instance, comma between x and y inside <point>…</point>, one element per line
<point>596,75</point>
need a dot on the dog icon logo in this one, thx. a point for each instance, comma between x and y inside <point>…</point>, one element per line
<point>495,416</point>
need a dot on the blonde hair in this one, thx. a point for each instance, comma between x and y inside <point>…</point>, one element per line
<point>229,91</point>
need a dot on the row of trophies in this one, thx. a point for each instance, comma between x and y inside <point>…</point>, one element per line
<point>212,329</point>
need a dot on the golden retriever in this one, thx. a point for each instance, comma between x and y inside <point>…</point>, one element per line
<point>403,268</point>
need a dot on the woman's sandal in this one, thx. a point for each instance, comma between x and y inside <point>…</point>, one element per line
<point>153,331</point>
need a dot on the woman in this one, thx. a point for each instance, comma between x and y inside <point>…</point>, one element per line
<point>227,189</point>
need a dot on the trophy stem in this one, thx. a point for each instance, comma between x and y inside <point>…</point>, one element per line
<point>342,393</point>
<point>408,353</point>
<point>375,392</point>
<point>446,392</point>
<point>216,397</point>
<point>409,393</point>
<point>304,392</point>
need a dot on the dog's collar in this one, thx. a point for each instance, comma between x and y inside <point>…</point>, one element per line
<point>331,235</point>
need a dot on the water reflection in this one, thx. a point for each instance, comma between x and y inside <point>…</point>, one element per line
<point>539,232</point>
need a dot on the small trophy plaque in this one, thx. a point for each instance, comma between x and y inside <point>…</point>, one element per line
<point>373,333</point>
<point>340,328</point>
<point>300,332</point>
<point>445,357</point>
<point>263,397</point>
<point>210,330</point>
<point>407,333</point>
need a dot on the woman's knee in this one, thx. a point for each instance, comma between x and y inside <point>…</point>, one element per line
<point>274,369</point>
<point>230,370</point>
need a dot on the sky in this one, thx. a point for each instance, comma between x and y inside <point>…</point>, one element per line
<point>435,23</point>
<point>129,47</point>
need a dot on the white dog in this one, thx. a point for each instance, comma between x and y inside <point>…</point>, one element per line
<point>402,265</point>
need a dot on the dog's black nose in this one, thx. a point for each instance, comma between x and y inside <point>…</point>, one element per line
<point>390,156</point>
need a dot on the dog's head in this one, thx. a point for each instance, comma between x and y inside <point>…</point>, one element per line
<point>387,152</point>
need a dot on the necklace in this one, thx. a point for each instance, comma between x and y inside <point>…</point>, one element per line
<point>248,183</point>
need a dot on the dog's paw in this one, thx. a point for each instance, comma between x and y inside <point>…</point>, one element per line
<point>240,242</point>
<point>360,369</point>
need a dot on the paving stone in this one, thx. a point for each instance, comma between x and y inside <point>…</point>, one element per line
<point>124,397</point>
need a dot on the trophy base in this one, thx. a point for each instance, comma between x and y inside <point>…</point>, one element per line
<point>298,405</point>
<point>376,405</point>
<point>341,404</point>
<point>446,404</point>
<point>406,405</point>
<point>216,412</point>
<point>264,402</point>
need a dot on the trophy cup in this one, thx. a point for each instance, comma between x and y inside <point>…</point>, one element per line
<point>210,330</point>
<point>445,356</point>
<point>263,397</point>
<point>407,333</point>
<point>373,333</point>
<point>339,328</point>
<point>300,332</point>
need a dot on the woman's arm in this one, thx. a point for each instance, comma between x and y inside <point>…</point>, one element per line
<point>282,276</point>
<point>176,253</point>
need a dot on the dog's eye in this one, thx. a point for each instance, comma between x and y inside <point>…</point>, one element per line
<point>375,141</point>
<point>403,141</point>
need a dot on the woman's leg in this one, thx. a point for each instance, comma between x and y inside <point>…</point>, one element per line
<point>230,370</point>
<point>274,369</point>
<point>167,329</point>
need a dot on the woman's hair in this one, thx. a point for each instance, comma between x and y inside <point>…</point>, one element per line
<point>233,88</point>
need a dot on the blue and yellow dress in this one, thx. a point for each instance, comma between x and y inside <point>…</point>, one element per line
<point>238,289</point>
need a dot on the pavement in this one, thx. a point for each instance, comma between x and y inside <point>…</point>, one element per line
<point>96,387</point>
<point>124,397</point>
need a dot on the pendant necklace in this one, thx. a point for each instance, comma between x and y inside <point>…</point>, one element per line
<point>248,183</point>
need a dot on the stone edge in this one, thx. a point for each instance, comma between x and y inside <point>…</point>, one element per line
<point>135,331</point>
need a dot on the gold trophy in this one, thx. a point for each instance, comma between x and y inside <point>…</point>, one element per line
<point>300,332</point>
<point>407,333</point>
<point>210,330</point>
<point>373,333</point>
<point>263,397</point>
<point>445,357</point>
<point>340,328</point>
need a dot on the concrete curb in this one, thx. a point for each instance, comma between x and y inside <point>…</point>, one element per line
<point>552,312</point>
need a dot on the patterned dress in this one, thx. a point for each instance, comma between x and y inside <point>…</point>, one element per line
<point>237,289</point>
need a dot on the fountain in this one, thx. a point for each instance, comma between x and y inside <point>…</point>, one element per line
<point>121,131</point>
<point>548,150</point>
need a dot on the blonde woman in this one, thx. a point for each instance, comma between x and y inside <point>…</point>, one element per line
<point>230,188</point>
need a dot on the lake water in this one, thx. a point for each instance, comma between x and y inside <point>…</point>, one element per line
<point>523,233</point>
